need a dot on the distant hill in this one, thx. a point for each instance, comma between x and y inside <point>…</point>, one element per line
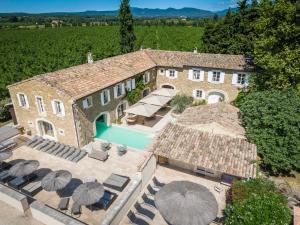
<point>138,12</point>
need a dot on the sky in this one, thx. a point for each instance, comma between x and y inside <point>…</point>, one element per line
<point>40,6</point>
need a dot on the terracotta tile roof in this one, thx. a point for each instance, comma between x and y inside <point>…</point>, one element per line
<point>82,80</point>
<point>215,152</point>
<point>180,59</point>
<point>223,115</point>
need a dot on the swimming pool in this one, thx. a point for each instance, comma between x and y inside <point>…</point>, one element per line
<point>120,135</point>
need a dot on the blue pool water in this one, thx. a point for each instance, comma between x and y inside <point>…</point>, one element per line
<point>120,135</point>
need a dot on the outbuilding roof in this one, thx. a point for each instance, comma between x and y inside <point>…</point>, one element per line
<point>83,80</point>
<point>220,153</point>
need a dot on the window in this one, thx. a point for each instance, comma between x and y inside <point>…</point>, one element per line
<point>105,97</point>
<point>241,78</point>
<point>119,90</point>
<point>146,77</point>
<point>196,74</point>
<point>58,108</point>
<point>87,102</point>
<point>23,102</point>
<point>216,76</point>
<point>40,105</point>
<point>130,84</point>
<point>198,94</point>
<point>172,73</point>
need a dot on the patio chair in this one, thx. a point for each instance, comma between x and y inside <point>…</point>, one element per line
<point>49,146</point>
<point>135,220</point>
<point>60,154</point>
<point>56,146</point>
<point>156,183</point>
<point>99,155</point>
<point>105,146</point>
<point>63,203</point>
<point>76,209</point>
<point>82,154</point>
<point>58,150</point>
<point>131,120</point>
<point>74,154</point>
<point>148,201</point>
<point>152,192</point>
<point>68,153</point>
<point>31,141</point>
<point>20,182</point>
<point>5,177</point>
<point>38,142</point>
<point>218,188</point>
<point>7,144</point>
<point>143,211</point>
<point>107,199</point>
<point>122,149</point>
<point>32,188</point>
<point>42,145</point>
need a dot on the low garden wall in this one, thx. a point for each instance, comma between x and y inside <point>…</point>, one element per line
<point>13,198</point>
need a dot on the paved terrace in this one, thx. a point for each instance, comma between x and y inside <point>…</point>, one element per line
<point>167,175</point>
<point>86,168</point>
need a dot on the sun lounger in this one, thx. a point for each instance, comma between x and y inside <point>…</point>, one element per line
<point>80,156</point>
<point>148,201</point>
<point>36,143</point>
<point>42,145</point>
<point>56,146</point>
<point>7,144</point>
<point>116,182</point>
<point>32,188</point>
<point>156,183</point>
<point>143,211</point>
<point>107,199</point>
<point>63,203</point>
<point>136,220</point>
<point>76,209</point>
<point>151,190</point>
<point>69,153</point>
<point>19,182</point>
<point>5,177</point>
<point>58,150</point>
<point>31,141</point>
<point>74,155</point>
<point>63,151</point>
<point>48,146</point>
<point>99,155</point>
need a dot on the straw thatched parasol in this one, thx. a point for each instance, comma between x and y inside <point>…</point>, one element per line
<point>88,193</point>
<point>24,168</point>
<point>56,180</point>
<point>184,202</point>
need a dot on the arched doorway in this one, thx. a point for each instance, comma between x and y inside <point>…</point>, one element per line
<point>101,123</point>
<point>46,129</point>
<point>215,97</point>
<point>120,110</point>
<point>168,86</point>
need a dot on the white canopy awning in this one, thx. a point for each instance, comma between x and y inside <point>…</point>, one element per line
<point>141,109</point>
<point>156,100</point>
<point>165,92</point>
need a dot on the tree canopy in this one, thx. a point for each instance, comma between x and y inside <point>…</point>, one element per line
<point>272,122</point>
<point>127,36</point>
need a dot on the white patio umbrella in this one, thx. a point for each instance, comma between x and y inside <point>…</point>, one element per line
<point>165,92</point>
<point>146,110</point>
<point>156,100</point>
<point>184,202</point>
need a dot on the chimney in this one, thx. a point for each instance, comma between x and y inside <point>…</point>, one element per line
<point>90,58</point>
<point>195,50</point>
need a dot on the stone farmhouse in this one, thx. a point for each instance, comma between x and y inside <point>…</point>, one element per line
<point>64,105</point>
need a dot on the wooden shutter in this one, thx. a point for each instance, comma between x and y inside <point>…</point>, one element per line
<point>115,92</point>
<point>191,73</point>
<point>53,107</point>
<point>85,103</point>
<point>63,113</point>
<point>26,100</point>
<point>194,93</point>
<point>202,75</point>
<point>168,73</point>
<point>247,80</point>
<point>203,94</point>
<point>123,88</point>
<point>176,74</point>
<point>222,77</point>
<point>102,98</point>
<point>19,99</point>
<point>128,85</point>
<point>210,75</point>
<point>234,78</point>
<point>133,84</point>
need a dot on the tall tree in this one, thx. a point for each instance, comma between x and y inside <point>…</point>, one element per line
<point>127,36</point>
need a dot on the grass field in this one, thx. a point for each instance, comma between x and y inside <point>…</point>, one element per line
<point>24,53</point>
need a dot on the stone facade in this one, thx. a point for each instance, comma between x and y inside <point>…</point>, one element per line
<point>186,86</point>
<point>64,127</point>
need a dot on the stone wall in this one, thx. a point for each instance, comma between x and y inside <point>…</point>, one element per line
<point>186,86</point>
<point>29,117</point>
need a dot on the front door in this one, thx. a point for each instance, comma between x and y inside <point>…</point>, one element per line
<point>120,110</point>
<point>46,129</point>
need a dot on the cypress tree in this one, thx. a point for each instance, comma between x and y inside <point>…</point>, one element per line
<point>127,36</point>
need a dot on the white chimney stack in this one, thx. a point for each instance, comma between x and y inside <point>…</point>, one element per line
<point>90,58</point>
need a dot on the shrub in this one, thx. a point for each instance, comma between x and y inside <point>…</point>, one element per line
<point>181,102</point>
<point>266,209</point>
<point>4,113</point>
<point>272,122</point>
<point>134,95</point>
<point>199,102</point>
